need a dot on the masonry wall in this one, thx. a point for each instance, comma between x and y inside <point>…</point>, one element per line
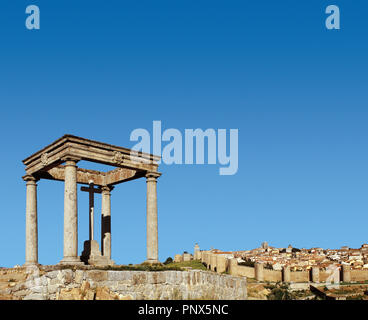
<point>221,264</point>
<point>272,275</point>
<point>241,271</point>
<point>299,276</point>
<point>127,285</point>
<point>359,275</point>
<point>323,275</point>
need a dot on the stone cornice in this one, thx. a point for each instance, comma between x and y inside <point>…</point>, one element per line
<point>130,165</point>
<point>82,141</point>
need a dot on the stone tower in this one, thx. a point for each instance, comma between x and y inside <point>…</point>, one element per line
<point>264,245</point>
<point>197,252</point>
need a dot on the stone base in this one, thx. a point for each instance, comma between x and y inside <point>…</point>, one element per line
<point>31,264</point>
<point>71,261</point>
<point>91,255</point>
<point>152,262</point>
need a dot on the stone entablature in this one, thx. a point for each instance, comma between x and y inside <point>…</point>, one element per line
<point>85,176</point>
<point>58,161</point>
<point>89,150</point>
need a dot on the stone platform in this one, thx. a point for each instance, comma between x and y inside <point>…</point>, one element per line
<point>86,283</point>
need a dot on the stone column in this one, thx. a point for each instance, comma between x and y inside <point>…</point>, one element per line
<point>31,221</point>
<point>152,232</point>
<point>259,271</point>
<point>70,214</point>
<point>286,274</point>
<point>106,221</point>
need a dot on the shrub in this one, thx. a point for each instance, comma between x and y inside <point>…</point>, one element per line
<point>168,260</point>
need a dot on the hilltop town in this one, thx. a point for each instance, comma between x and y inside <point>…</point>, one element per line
<point>296,259</point>
<point>291,273</point>
<point>304,259</point>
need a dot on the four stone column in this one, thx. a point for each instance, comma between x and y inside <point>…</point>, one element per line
<point>31,221</point>
<point>152,232</point>
<point>71,218</point>
<point>70,214</point>
<point>106,221</point>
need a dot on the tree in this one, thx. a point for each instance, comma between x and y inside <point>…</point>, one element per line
<point>168,260</point>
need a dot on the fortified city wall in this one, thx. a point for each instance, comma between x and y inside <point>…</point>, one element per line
<point>222,264</point>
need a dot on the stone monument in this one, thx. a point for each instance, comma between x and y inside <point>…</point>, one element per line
<point>58,161</point>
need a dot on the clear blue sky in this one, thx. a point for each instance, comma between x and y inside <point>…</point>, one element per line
<point>297,92</point>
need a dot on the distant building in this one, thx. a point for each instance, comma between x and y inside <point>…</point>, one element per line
<point>187,257</point>
<point>178,258</point>
<point>264,245</point>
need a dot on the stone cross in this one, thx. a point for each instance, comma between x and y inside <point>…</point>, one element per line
<point>92,190</point>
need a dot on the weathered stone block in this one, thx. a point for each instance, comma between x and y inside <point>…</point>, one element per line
<point>39,289</point>
<point>52,274</point>
<point>156,277</point>
<point>52,289</point>
<point>22,293</point>
<point>35,296</point>
<point>55,281</point>
<point>118,275</point>
<point>139,278</point>
<point>96,275</point>
<point>67,276</point>
<point>79,276</point>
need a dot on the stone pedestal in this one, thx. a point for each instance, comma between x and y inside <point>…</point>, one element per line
<point>91,255</point>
